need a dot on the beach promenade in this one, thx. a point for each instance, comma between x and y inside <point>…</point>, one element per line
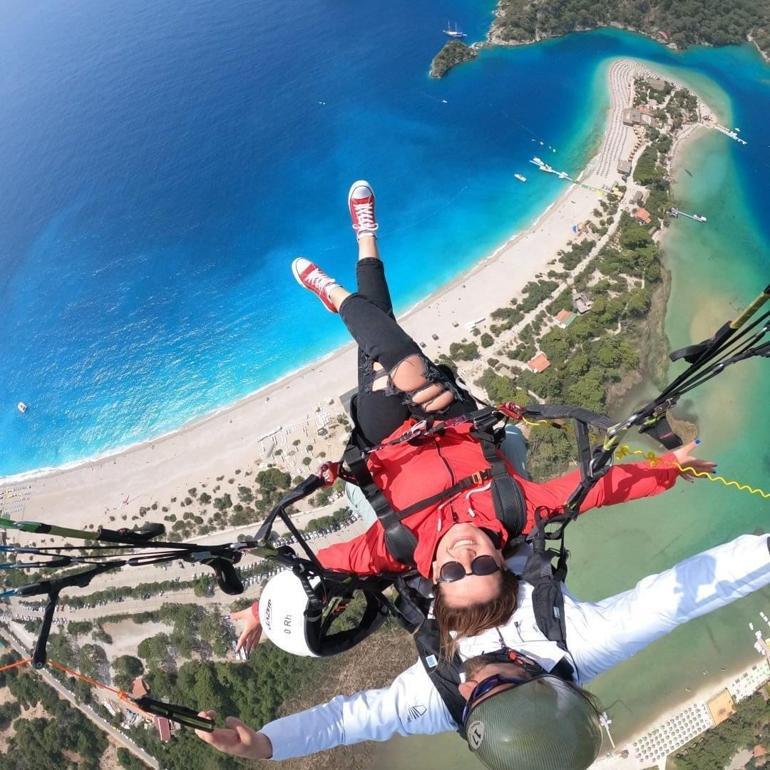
<point>678,726</point>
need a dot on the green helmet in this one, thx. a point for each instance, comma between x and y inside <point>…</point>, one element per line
<point>542,724</point>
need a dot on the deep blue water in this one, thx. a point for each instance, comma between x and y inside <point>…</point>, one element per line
<point>162,163</point>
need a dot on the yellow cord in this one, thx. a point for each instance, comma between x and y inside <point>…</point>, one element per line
<point>624,450</point>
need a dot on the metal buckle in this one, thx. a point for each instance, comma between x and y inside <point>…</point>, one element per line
<point>477,477</point>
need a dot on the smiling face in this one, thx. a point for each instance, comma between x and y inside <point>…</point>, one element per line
<point>463,543</point>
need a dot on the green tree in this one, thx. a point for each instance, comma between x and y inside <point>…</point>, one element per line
<point>125,669</point>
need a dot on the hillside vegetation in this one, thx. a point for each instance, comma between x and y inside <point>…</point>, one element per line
<point>680,22</point>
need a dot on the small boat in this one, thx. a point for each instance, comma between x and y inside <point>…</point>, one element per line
<point>699,218</point>
<point>520,177</point>
<point>537,161</point>
<point>563,175</point>
<point>22,407</point>
<point>455,33</point>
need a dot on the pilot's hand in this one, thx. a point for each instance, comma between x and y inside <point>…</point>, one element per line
<point>236,739</point>
<point>252,629</point>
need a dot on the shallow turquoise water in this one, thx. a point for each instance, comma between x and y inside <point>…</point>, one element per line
<point>716,269</point>
<point>163,163</point>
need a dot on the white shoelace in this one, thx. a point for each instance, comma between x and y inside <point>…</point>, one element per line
<point>365,216</point>
<point>318,280</point>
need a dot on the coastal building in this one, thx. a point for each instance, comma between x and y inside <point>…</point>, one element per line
<point>164,729</point>
<point>564,318</point>
<point>635,117</point>
<point>539,363</point>
<point>642,215</point>
<point>721,706</point>
<point>638,198</point>
<point>581,302</point>
<point>624,167</point>
<point>656,84</point>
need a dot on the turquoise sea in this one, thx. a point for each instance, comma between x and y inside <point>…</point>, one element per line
<point>162,163</point>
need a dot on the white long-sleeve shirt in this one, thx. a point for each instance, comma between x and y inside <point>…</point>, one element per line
<point>599,636</point>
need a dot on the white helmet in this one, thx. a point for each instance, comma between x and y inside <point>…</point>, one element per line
<point>300,627</point>
<point>282,608</point>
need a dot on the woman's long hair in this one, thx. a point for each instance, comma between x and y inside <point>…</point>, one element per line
<point>472,620</point>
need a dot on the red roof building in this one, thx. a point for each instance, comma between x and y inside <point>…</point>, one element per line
<point>164,729</point>
<point>539,363</point>
<point>564,318</point>
<point>138,688</point>
<point>643,216</point>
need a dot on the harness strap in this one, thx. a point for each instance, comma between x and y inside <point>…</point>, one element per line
<point>400,540</point>
<point>444,674</point>
<point>546,579</point>
<point>506,495</point>
<point>469,481</point>
<point>507,499</point>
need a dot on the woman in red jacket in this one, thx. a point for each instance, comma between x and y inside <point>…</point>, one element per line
<point>443,479</point>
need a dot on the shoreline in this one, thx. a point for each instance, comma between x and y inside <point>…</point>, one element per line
<point>683,140</point>
<point>234,436</point>
<point>280,417</point>
<point>276,385</point>
<point>701,694</point>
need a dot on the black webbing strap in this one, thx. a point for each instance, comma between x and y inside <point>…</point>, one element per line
<point>469,481</point>
<point>565,412</point>
<point>660,429</point>
<point>400,541</point>
<point>546,580</point>
<point>444,674</point>
<point>323,644</point>
<point>506,495</point>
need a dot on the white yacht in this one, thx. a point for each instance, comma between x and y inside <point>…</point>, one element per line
<point>454,32</point>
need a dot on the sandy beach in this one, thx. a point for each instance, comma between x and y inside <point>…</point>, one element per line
<point>223,447</point>
<point>242,436</point>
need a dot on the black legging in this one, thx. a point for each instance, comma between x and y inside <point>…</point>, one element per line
<point>368,314</point>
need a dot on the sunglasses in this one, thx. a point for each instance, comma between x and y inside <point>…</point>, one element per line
<point>485,686</point>
<point>482,565</point>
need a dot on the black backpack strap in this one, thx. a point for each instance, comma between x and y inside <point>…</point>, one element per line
<point>400,540</point>
<point>546,580</point>
<point>444,674</point>
<point>506,495</point>
<point>414,595</point>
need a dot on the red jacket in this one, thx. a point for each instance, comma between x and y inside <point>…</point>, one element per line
<point>409,472</point>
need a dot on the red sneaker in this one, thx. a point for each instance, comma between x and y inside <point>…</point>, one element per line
<point>312,278</point>
<point>361,207</point>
